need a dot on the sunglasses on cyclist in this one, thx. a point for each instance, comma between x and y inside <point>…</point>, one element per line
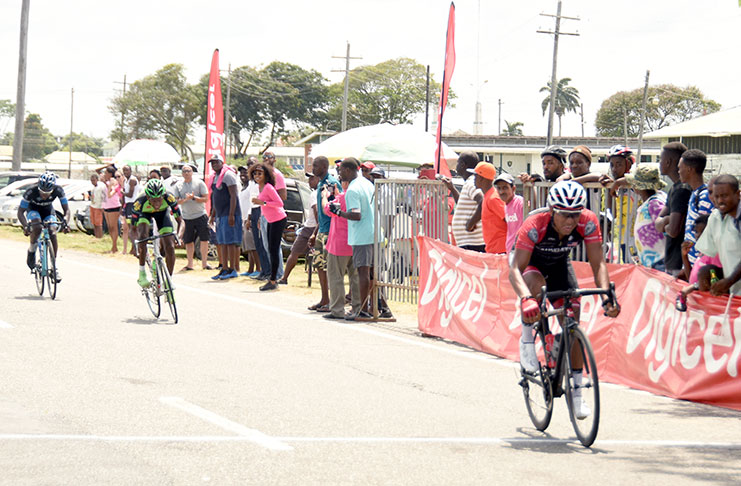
<point>568,214</point>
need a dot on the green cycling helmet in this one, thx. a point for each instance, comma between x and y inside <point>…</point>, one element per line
<point>154,188</point>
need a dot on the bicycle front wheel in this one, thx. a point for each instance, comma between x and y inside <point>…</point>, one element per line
<point>582,396</point>
<point>51,271</point>
<point>151,292</point>
<point>39,270</point>
<point>538,391</point>
<point>167,290</point>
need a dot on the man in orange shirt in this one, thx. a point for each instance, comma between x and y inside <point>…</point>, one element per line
<point>491,210</point>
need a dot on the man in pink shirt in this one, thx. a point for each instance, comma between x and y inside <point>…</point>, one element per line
<point>505,185</point>
<point>339,258</point>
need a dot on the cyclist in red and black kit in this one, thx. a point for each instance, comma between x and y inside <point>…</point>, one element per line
<point>542,258</point>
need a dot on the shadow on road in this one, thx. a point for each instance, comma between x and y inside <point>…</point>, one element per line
<point>536,441</point>
<point>148,322</point>
<point>29,297</point>
<point>689,410</point>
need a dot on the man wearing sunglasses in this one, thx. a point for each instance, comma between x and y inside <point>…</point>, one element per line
<point>541,258</point>
<point>36,207</point>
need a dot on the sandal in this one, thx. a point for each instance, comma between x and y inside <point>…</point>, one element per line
<point>314,307</point>
<point>324,308</point>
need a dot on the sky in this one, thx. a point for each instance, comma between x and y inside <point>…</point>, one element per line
<point>90,45</point>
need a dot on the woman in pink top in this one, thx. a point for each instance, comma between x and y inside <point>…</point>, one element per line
<point>271,205</point>
<point>339,258</point>
<point>112,205</point>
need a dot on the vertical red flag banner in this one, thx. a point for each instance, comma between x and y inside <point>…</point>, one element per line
<point>442,168</point>
<point>214,121</point>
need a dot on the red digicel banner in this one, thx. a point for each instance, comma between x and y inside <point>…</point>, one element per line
<point>695,355</point>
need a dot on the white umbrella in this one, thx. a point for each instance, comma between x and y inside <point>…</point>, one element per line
<point>393,144</point>
<point>146,152</point>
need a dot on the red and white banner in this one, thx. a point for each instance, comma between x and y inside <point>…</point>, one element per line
<point>442,167</point>
<point>695,355</point>
<point>214,117</point>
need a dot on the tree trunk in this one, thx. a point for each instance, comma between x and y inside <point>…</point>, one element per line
<point>559,125</point>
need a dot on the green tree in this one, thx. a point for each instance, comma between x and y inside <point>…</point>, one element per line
<point>38,141</point>
<point>513,129</point>
<point>567,99</point>
<point>162,103</point>
<point>83,143</point>
<point>392,91</point>
<point>667,105</point>
<point>7,111</point>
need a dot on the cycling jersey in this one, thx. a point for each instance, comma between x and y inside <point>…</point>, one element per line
<point>551,254</point>
<point>32,200</point>
<point>144,213</point>
<point>537,235</point>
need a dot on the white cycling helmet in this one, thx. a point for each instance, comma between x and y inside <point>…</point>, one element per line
<point>567,196</point>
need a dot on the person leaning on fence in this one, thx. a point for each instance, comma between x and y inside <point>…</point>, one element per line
<point>694,271</point>
<point>360,227</point>
<point>650,244</point>
<point>466,205</point>
<point>318,241</point>
<point>580,163</point>
<point>514,204</point>
<point>490,209</point>
<point>553,159</point>
<point>339,257</point>
<point>691,168</point>
<point>672,217</point>
<point>722,236</point>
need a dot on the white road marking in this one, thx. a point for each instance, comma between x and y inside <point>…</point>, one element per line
<point>682,444</point>
<point>5,325</point>
<point>248,434</point>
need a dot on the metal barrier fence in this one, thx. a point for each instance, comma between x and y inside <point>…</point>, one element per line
<point>405,209</point>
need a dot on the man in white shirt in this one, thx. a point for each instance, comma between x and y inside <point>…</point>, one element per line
<point>131,191</point>
<point>99,194</point>
<point>300,245</point>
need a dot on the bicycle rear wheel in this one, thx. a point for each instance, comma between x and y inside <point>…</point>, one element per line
<point>585,394</point>
<point>538,391</point>
<point>167,290</point>
<point>39,270</point>
<point>151,294</point>
<point>51,271</point>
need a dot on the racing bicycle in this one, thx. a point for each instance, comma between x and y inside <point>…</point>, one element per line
<point>45,269</point>
<point>160,280</point>
<point>554,376</point>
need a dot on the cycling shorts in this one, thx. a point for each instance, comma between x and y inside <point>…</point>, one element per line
<point>32,215</point>
<point>559,276</point>
<point>162,218</point>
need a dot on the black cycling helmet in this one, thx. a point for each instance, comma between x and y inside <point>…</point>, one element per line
<point>556,151</point>
<point>47,180</point>
<point>154,188</point>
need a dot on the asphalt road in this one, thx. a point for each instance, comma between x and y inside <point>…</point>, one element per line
<point>253,389</point>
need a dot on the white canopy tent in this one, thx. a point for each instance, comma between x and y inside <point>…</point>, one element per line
<point>402,145</point>
<point>146,153</point>
<point>719,124</point>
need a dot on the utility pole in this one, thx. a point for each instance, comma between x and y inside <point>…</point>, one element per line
<point>499,125</point>
<point>643,118</point>
<point>625,127</point>
<point>582,119</point>
<point>554,83</point>
<point>120,140</point>
<point>347,83</point>
<point>69,142</point>
<point>427,98</point>
<point>228,116</point>
<point>20,98</point>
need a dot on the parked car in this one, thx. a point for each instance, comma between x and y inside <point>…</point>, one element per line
<point>75,190</point>
<point>7,178</point>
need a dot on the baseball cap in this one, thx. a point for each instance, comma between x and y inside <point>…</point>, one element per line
<point>485,170</point>
<point>368,165</point>
<point>377,171</point>
<point>308,174</point>
<point>216,157</point>
<point>584,150</point>
<point>506,178</point>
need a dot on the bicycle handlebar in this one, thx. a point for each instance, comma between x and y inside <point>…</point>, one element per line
<point>576,293</point>
<point>47,224</point>
<point>157,237</point>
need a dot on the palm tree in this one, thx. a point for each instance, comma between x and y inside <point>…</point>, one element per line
<point>567,99</point>
<point>513,129</point>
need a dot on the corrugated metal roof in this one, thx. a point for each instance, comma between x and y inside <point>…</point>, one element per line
<point>720,124</point>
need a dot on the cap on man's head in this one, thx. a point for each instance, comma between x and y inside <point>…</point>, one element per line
<point>308,174</point>
<point>584,150</point>
<point>506,178</point>
<point>378,172</point>
<point>368,165</point>
<point>216,157</point>
<point>338,162</point>
<point>485,170</point>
